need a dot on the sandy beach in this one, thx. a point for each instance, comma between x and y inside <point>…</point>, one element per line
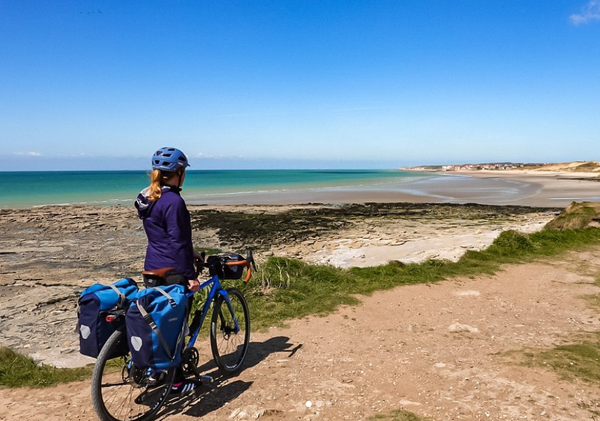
<point>528,188</point>
<point>546,188</point>
<point>49,254</point>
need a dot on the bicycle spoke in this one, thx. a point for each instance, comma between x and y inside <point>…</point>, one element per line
<point>120,393</point>
<point>230,331</point>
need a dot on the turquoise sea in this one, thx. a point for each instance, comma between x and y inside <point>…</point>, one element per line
<point>28,189</point>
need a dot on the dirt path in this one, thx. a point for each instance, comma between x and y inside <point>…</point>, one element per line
<point>438,351</point>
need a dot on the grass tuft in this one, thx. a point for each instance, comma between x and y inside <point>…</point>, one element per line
<point>397,415</point>
<point>17,370</point>
<point>578,215</point>
<point>573,361</point>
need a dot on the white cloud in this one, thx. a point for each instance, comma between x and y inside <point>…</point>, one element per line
<point>590,12</point>
<point>28,154</point>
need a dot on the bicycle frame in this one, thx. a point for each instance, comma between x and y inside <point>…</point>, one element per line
<point>229,341</point>
<point>216,288</point>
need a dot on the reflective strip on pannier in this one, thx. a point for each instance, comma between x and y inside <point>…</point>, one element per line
<point>94,302</point>
<point>155,325</point>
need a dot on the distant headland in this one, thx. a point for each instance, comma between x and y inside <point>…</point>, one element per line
<point>571,167</point>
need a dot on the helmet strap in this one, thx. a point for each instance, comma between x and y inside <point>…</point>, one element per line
<point>180,175</point>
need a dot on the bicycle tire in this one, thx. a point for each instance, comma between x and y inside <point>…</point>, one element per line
<point>120,391</point>
<point>229,347</point>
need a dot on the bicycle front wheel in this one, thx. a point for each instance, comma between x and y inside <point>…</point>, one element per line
<point>123,392</point>
<point>230,330</point>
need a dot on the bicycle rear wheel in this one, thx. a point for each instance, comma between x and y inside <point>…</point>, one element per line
<point>123,392</point>
<point>229,342</point>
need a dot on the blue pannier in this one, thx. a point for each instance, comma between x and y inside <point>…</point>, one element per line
<point>94,303</point>
<point>156,322</point>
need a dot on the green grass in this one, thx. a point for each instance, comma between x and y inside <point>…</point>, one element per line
<point>578,215</point>
<point>17,370</point>
<point>573,361</point>
<point>285,289</point>
<point>578,360</point>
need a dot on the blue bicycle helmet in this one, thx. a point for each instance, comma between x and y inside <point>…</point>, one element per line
<point>169,159</point>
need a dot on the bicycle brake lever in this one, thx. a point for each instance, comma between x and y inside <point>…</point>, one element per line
<point>250,259</point>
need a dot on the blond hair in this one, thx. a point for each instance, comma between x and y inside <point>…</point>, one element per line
<point>158,179</point>
<point>155,188</point>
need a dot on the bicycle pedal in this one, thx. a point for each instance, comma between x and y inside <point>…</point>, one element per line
<point>206,379</point>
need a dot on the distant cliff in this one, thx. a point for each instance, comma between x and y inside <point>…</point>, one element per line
<point>575,166</point>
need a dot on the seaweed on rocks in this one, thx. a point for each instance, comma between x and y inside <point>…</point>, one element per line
<point>261,230</point>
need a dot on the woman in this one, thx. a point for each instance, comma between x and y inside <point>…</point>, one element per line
<point>168,227</point>
<point>166,219</point>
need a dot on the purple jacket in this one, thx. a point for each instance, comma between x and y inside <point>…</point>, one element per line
<point>169,230</point>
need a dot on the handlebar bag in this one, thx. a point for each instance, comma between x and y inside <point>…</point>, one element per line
<point>156,322</point>
<point>94,303</point>
<point>218,266</point>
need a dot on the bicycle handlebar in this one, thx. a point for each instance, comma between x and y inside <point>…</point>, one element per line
<point>248,262</point>
<point>243,263</point>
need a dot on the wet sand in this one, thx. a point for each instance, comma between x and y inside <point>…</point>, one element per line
<point>548,189</point>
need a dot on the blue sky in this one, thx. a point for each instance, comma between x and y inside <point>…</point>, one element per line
<point>88,84</point>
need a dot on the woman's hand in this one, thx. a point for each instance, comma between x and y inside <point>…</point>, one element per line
<point>193,285</point>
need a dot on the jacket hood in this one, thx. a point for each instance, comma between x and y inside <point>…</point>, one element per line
<point>144,205</point>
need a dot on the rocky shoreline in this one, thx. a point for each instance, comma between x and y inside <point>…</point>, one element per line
<point>364,234</point>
